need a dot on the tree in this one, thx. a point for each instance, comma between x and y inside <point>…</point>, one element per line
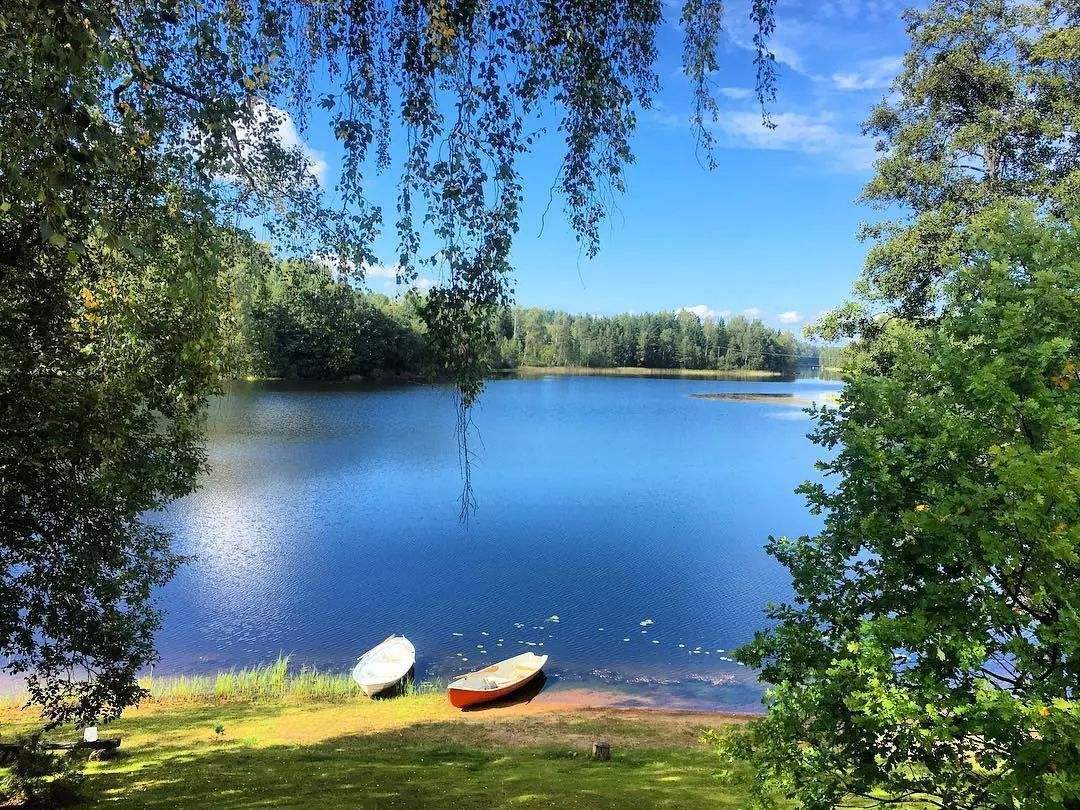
<point>653,340</point>
<point>243,283</point>
<point>106,357</point>
<point>934,646</point>
<point>306,324</point>
<point>389,337</point>
<point>562,338</point>
<point>931,651</point>
<point>985,109</point>
<point>135,136</point>
<point>692,343</point>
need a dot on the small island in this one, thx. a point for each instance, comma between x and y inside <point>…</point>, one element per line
<point>771,398</point>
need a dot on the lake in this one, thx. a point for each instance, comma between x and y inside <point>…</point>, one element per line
<point>619,528</point>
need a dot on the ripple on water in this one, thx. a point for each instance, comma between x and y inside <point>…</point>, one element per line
<point>329,520</point>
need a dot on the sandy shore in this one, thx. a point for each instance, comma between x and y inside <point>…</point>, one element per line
<point>307,723</point>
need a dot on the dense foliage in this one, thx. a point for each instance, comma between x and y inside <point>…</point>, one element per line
<point>661,340</point>
<point>932,650</point>
<point>107,320</point>
<point>934,647</point>
<point>985,109</point>
<point>299,320</point>
<point>296,319</point>
<point>133,132</point>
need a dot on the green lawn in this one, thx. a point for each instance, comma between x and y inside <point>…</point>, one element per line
<point>408,752</point>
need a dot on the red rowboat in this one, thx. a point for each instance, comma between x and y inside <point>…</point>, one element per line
<point>496,681</point>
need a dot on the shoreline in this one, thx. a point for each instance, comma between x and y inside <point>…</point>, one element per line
<point>572,701</point>
<point>390,378</point>
<point>555,698</point>
<point>306,722</point>
<point>641,371</point>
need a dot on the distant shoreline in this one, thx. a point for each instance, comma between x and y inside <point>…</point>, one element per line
<point>828,398</point>
<point>397,378</point>
<point>635,371</point>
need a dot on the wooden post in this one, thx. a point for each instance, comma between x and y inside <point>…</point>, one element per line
<point>601,751</point>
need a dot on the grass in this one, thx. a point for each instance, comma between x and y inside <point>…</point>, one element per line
<point>266,737</point>
<point>634,371</point>
<point>443,764</point>
<point>268,682</point>
<point>269,738</point>
<point>264,758</point>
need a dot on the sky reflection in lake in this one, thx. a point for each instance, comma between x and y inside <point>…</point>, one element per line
<point>330,519</point>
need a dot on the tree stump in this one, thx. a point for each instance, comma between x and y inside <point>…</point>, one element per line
<point>105,744</point>
<point>103,749</point>
<point>601,751</point>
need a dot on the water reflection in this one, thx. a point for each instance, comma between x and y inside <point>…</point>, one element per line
<point>330,519</point>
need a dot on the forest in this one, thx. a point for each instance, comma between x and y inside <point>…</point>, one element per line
<point>540,337</point>
<point>299,319</point>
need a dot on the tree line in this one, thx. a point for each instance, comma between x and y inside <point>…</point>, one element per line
<point>300,319</point>
<point>541,337</point>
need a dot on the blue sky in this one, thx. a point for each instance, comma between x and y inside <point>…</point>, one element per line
<point>771,230</point>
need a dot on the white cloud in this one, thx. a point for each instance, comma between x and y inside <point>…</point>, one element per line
<point>290,138</point>
<point>787,55</point>
<point>819,39</point>
<point>873,74</point>
<point>741,32</point>
<point>664,119</point>
<point>862,10</point>
<point>736,92</point>
<point>784,53</point>
<point>387,271</point>
<point>703,312</point>
<point>707,313</point>
<point>795,132</point>
<point>341,266</point>
<point>275,124</point>
<point>337,265</point>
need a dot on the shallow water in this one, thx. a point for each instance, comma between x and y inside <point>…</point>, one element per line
<point>619,529</point>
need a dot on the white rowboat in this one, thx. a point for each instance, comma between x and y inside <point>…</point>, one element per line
<point>384,665</point>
